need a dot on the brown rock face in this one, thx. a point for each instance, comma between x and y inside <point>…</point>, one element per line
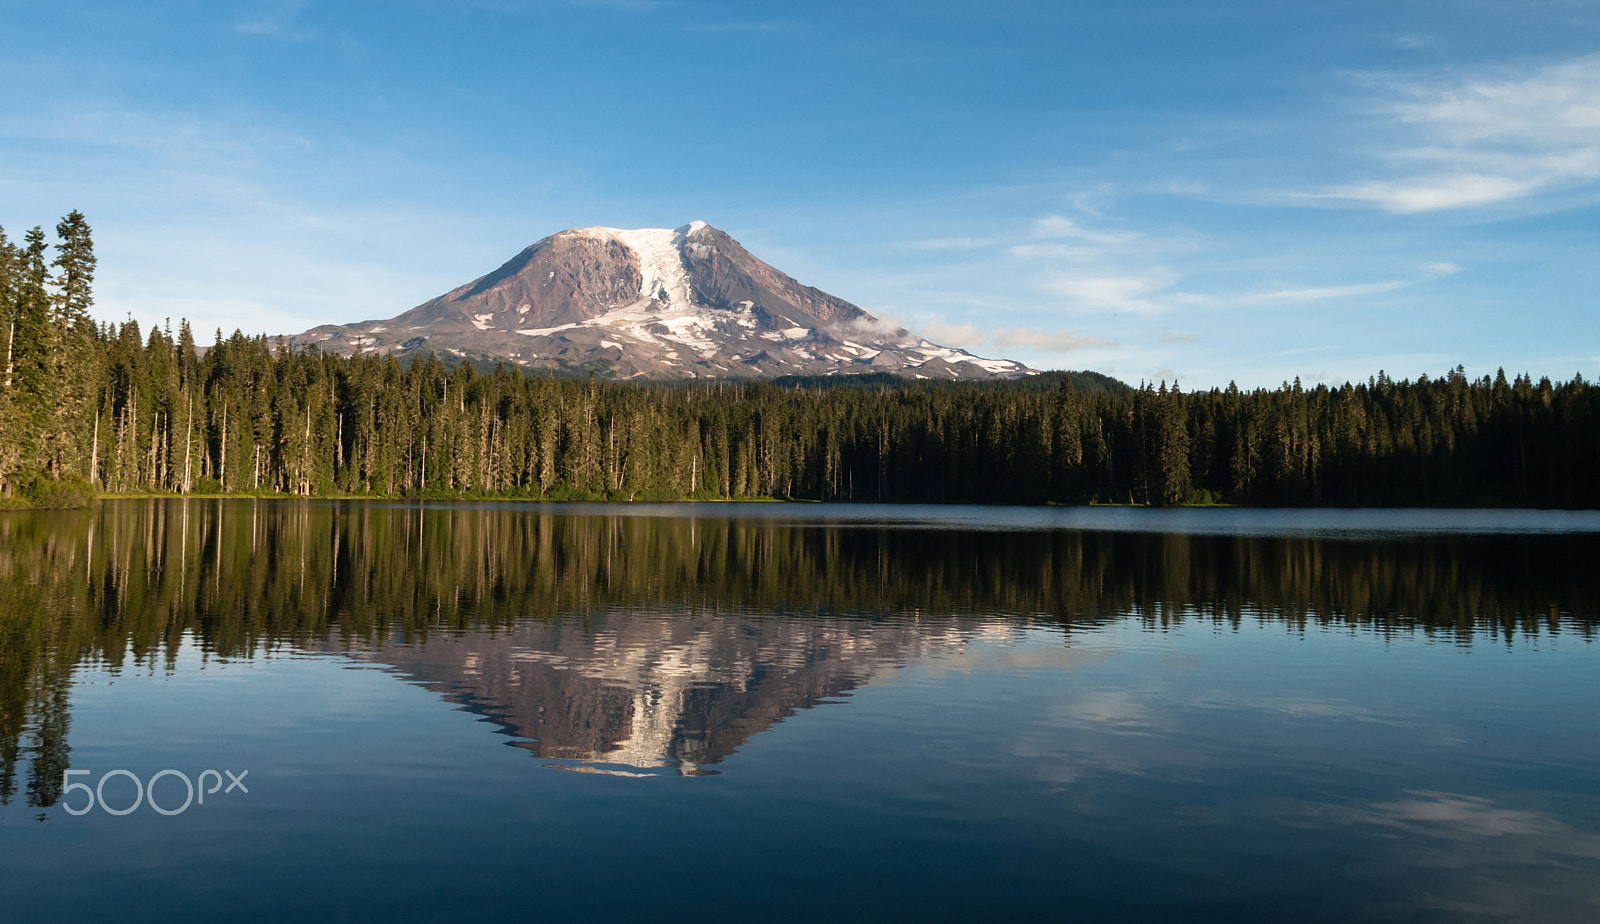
<point>653,303</point>
<point>562,279</point>
<point>725,275</point>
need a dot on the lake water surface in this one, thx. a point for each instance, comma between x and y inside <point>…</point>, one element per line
<point>752,711</point>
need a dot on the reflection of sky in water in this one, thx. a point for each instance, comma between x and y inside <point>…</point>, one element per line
<point>1265,733</point>
<point>786,723</point>
<point>1210,521</point>
<point>1447,779</point>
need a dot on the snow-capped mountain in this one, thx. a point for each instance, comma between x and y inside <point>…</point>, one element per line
<point>654,303</point>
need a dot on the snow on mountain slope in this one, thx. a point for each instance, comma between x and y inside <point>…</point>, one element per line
<point>654,302</point>
<point>660,252</point>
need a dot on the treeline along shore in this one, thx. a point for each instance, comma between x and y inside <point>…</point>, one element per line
<point>87,407</point>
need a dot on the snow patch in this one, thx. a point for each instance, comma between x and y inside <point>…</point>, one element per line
<point>544,331</point>
<point>481,321</point>
<point>990,365</point>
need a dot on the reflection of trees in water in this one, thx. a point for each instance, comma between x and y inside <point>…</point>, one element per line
<point>128,581</point>
<point>43,632</point>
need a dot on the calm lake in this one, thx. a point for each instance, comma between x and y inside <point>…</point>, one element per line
<point>805,712</point>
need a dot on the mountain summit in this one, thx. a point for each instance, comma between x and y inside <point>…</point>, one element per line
<point>654,303</point>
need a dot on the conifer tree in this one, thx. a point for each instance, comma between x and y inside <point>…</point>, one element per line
<point>32,390</point>
<point>10,429</point>
<point>74,362</point>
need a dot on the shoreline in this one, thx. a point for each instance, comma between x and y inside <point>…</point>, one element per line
<point>620,502</point>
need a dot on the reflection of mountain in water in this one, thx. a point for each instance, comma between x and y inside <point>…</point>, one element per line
<point>658,691</point>
<point>129,581</point>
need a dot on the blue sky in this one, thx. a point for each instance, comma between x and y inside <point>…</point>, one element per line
<point>1213,192</point>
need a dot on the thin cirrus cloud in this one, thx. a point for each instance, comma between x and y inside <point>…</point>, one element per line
<point>1154,291</point>
<point>1111,271</point>
<point>1056,250</point>
<point>1321,293</point>
<point>1317,294</point>
<point>1058,226</point>
<point>1485,141</point>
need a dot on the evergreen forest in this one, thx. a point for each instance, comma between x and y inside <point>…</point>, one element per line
<point>87,408</point>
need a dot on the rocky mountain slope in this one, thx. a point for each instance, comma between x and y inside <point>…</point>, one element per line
<point>654,303</point>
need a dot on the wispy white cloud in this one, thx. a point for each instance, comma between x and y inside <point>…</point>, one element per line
<point>1142,293</point>
<point>1056,251</point>
<point>1058,226</point>
<point>1045,239</point>
<point>1094,269</point>
<point>1091,202</point>
<point>1484,141</point>
<point>1431,272</point>
<point>1431,193</point>
<point>882,324</point>
<point>1154,289</point>
<point>1097,267</point>
<point>1322,293</point>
